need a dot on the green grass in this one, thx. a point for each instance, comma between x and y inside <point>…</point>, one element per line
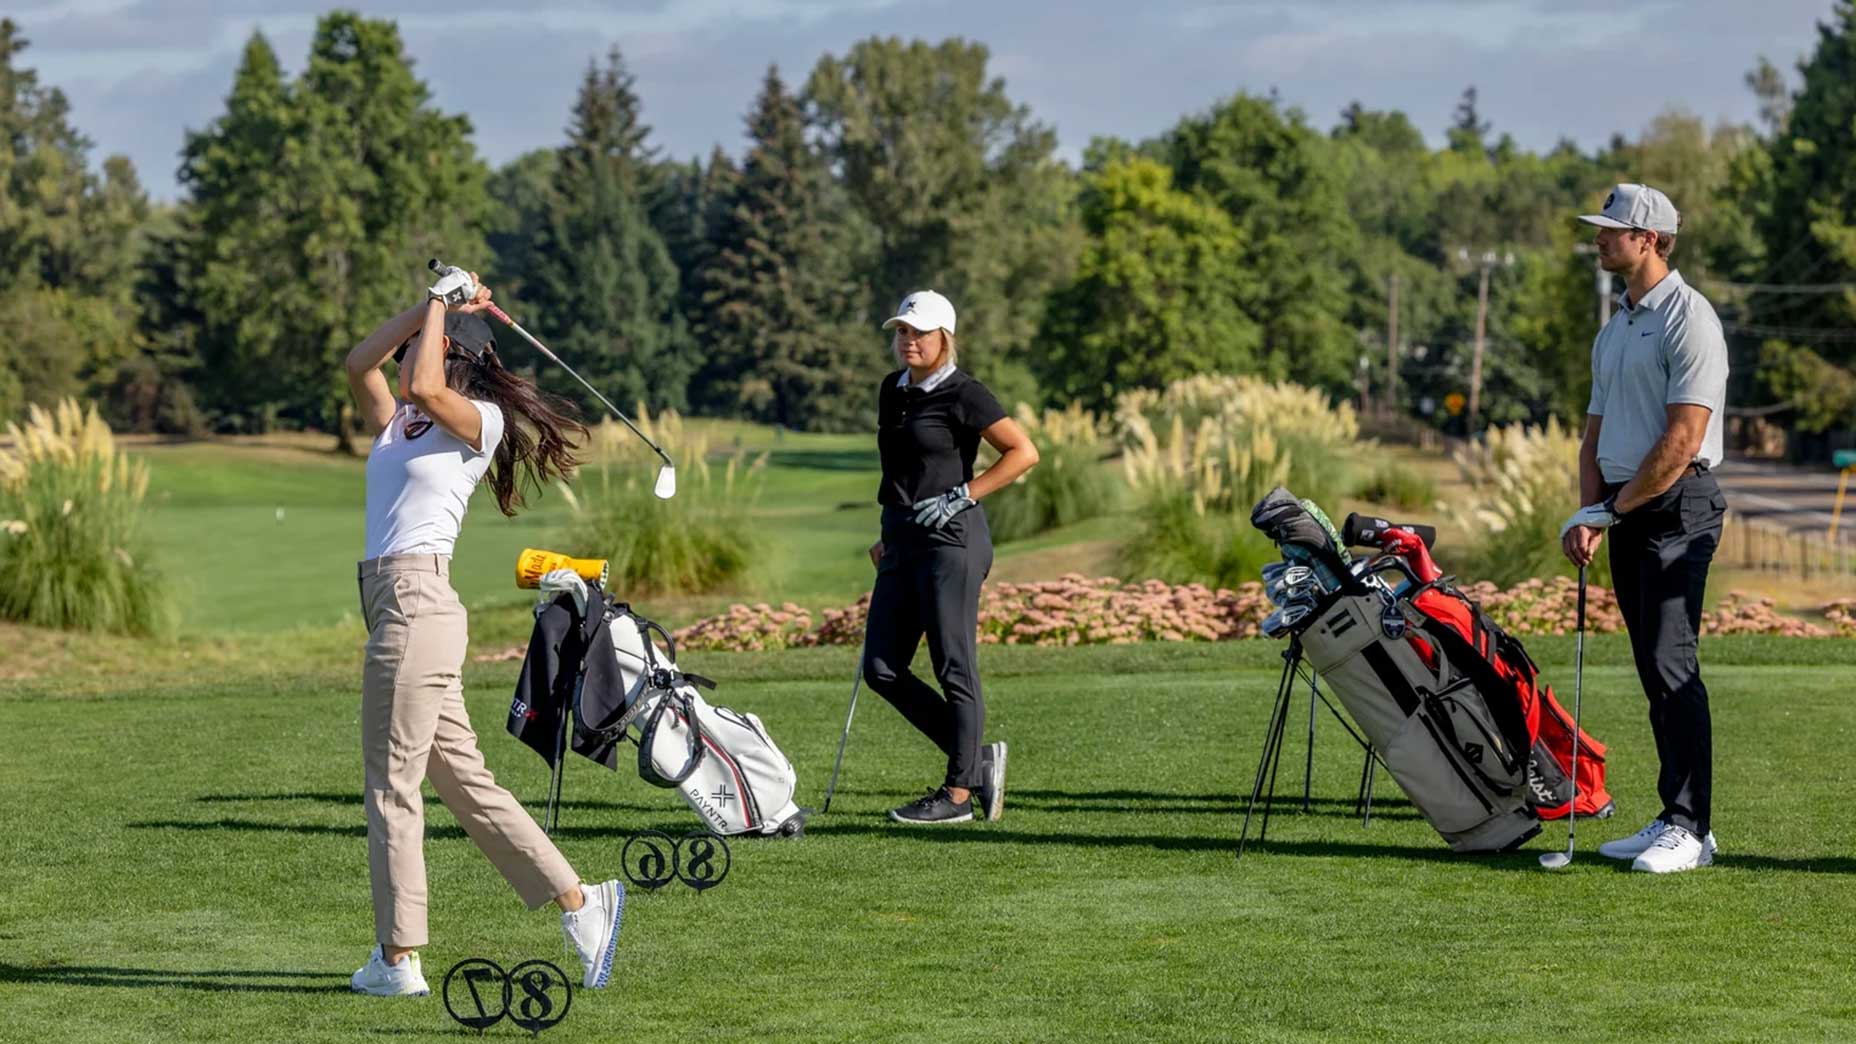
<point>184,850</point>
<point>185,860</point>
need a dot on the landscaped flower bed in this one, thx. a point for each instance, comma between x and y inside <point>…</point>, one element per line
<point>1077,610</point>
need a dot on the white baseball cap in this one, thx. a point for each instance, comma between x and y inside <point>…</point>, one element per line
<point>924,310</point>
<point>1636,206</point>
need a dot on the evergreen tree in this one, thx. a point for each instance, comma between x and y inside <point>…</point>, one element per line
<point>518,193</point>
<point>1810,230</point>
<point>784,338</point>
<point>1469,132</point>
<point>692,204</point>
<point>604,286</point>
<point>319,202</point>
<point>68,244</point>
<point>235,244</point>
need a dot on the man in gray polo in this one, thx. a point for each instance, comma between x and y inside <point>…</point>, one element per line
<point>1652,432</point>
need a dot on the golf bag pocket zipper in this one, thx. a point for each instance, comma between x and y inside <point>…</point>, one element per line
<point>1476,740</point>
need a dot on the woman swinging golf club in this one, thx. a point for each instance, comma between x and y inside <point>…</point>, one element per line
<point>936,550</point>
<point>459,418</point>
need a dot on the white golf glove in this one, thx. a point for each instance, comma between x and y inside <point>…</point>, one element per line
<point>455,287</point>
<point>556,581</point>
<point>1600,516</point>
<point>936,511</point>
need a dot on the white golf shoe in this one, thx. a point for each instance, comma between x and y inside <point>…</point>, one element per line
<point>1635,845</point>
<point>593,931</point>
<point>377,978</point>
<point>1675,849</point>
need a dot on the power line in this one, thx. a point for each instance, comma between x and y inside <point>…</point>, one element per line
<point>1791,333</point>
<point>1780,288</point>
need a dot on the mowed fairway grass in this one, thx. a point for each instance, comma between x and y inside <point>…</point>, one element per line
<point>183,847</point>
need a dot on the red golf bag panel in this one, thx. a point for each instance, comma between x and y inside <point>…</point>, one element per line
<point>1498,662</point>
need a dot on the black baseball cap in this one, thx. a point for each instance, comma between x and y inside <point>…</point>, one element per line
<point>468,333</point>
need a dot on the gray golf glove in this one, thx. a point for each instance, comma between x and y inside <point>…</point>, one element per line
<point>935,511</point>
<point>1596,516</point>
<point>455,287</point>
<point>555,582</point>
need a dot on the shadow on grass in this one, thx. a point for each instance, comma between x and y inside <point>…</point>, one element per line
<point>359,830</point>
<point>216,981</point>
<point>338,798</point>
<point>1140,801</point>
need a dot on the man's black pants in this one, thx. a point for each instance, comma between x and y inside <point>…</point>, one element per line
<point>1659,568</point>
<point>928,582</point>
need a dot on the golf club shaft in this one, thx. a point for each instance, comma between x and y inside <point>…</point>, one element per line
<point>1578,694</point>
<point>857,682</point>
<point>503,317</point>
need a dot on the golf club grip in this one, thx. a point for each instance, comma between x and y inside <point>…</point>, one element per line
<point>436,265</point>
<point>1365,530</point>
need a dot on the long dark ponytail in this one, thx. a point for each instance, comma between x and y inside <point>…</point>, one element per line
<point>541,432</point>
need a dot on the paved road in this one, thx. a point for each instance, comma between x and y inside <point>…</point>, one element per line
<point>1798,499</point>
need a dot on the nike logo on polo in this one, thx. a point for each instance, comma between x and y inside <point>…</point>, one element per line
<point>1649,333</point>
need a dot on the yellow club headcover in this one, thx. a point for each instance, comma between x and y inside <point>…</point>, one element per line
<point>533,564</point>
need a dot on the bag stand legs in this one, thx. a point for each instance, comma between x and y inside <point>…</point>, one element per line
<point>1263,786</point>
<point>553,817</point>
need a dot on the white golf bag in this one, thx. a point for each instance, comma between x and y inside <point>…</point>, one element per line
<point>722,761</point>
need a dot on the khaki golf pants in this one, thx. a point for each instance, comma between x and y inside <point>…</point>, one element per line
<point>413,728</point>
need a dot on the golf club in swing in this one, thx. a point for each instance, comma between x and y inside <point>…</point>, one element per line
<point>857,682</point>
<point>666,486</point>
<point>1560,860</point>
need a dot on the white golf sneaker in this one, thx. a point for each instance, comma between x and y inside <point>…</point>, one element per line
<point>593,930</point>
<point>377,978</point>
<point>1676,848</point>
<point>1635,845</point>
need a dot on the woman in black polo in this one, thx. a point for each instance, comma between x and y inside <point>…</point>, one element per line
<point>936,551</point>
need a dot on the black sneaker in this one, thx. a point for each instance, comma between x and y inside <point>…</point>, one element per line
<point>937,807</point>
<point>991,790</point>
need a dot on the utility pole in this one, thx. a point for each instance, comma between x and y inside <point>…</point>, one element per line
<point>1486,261</point>
<point>1475,360</point>
<point>1391,403</point>
<point>1601,281</point>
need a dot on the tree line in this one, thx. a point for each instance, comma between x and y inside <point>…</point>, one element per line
<point>1243,239</point>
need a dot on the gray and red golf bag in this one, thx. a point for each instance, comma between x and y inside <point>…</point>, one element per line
<point>1449,702</point>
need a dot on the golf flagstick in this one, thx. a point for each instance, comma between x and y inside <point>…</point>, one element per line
<point>1556,860</point>
<point>856,683</point>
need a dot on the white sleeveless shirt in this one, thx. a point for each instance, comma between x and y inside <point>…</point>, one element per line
<point>419,481</point>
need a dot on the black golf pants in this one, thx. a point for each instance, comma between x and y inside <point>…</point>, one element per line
<point>1659,567</point>
<point>928,583</point>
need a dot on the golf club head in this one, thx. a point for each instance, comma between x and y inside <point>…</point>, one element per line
<point>666,483</point>
<point>1273,625</point>
<point>1555,861</point>
<point>1273,572</point>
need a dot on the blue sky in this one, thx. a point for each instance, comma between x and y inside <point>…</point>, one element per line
<point>139,72</point>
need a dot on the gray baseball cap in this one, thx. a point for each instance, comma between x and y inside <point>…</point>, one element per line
<point>1636,206</point>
